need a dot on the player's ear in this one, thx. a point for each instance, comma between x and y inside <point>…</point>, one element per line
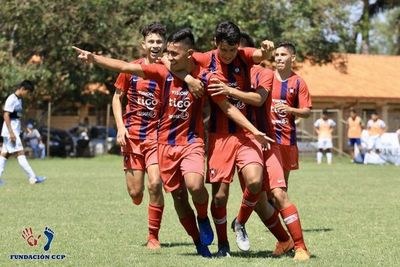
<point>143,45</point>
<point>293,58</point>
<point>190,52</point>
<point>215,42</point>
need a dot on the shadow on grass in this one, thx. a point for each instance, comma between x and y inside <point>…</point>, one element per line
<point>171,245</point>
<point>318,230</point>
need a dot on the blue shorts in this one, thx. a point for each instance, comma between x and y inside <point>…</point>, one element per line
<point>353,141</point>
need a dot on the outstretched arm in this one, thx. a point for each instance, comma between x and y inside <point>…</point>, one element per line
<point>234,114</point>
<point>109,63</point>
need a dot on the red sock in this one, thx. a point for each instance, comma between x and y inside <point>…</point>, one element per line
<point>249,201</point>
<point>201,209</point>
<point>276,228</point>
<point>219,216</point>
<point>190,225</point>
<point>292,220</point>
<point>155,215</point>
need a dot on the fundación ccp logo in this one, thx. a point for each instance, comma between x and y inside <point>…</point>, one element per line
<point>33,240</point>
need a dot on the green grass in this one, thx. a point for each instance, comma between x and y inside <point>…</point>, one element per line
<point>349,213</point>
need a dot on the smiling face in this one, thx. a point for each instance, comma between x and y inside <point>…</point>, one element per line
<point>284,58</point>
<point>153,46</point>
<point>227,52</point>
<point>178,54</point>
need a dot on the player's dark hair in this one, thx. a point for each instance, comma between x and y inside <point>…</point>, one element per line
<point>27,85</point>
<point>154,27</point>
<point>182,36</point>
<point>353,110</point>
<point>288,45</point>
<point>246,40</point>
<point>228,32</point>
<point>374,112</point>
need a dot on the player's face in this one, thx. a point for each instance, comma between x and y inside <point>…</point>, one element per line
<point>153,45</point>
<point>374,117</point>
<point>283,58</point>
<point>23,93</point>
<point>178,54</point>
<point>227,52</point>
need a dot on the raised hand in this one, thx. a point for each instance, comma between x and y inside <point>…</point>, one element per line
<point>267,46</point>
<point>28,236</point>
<point>196,87</point>
<point>85,56</point>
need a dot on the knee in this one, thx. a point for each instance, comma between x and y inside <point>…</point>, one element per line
<point>220,199</point>
<point>135,193</point>
<point>254,186</point>
<point>155,186</point>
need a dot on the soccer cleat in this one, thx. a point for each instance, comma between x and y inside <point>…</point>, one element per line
<point>301,254</point>
<point>283,247</point>
<point>203,250</point>
<point>153,244</point>
<point>223,250</point>
<point>37,180</point>
<point>242,239</point>
<point>206,232</point>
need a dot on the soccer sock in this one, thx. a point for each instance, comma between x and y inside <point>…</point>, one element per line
<point>219,217</point>
<point>190,225</point>
<point>3,161</point>
<point>249,201</point>
<point>201,209</point>
<point>319,157</point>
<point>155,216</point>
<point>292,220</point>
<point>276,228</point>
<point>329,157</point>
<point>25,166</point>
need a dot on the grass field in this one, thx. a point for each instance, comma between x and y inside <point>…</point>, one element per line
<point>350,216</point>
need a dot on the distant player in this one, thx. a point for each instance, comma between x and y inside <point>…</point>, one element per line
<point>324,127</point>
<point>137,130</point>
<point>354,129</point>
<point>12,129</point>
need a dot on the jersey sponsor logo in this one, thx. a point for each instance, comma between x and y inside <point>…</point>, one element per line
<point>213,172</point>
<point>184,115</point>
<point>181,104</point>
<point>281,114</point>
<point>150,114</point>
<point>236,102</point>
<point>147,99</point>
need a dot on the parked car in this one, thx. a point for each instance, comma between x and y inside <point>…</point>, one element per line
<point>94,141</point>
<point>61,142</point>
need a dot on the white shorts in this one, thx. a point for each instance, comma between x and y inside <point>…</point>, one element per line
<point>325,143</point>
<point>11,147</point>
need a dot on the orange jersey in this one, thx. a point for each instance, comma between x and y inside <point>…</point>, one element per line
<point>237,75</point>
<point>324,128</point>
<point>355,128</point>
<point>294,93</point>
<point>143,105</point>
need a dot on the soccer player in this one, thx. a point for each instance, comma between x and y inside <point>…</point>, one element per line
<point>180,132</point>
<point>12,129</point>
<point>375,125</point>
<point>354,128</point>
<point>230,146</point>
<point>262,82</point>
<point>137,130</point>
<point>324,127</point>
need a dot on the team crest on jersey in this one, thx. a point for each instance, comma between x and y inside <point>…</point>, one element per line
<point>237,70</point>
<point>291,90</point>
<point>213,172</point>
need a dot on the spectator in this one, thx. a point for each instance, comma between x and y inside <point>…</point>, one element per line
<point>33,139</point>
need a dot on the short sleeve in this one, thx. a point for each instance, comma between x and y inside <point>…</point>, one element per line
<point>304,95</point>
<point>10,104</point>
<point>123,82</point>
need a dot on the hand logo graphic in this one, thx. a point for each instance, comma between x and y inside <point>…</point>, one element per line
<point>28,236</point>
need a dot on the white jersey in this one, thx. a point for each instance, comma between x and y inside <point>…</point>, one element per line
<point>14,106</point>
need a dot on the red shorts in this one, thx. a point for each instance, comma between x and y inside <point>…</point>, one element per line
<point>138,155</point>
<point>176,161</point>
<point>273,171</point>
<point>227,151</point>
<point>290,157</point>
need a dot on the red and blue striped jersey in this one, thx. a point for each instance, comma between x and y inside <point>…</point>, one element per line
<point>143,105</point>
<point>294,93</point>
<point>263,78</point>
<point>236,74</point>
<point>181,120</point>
